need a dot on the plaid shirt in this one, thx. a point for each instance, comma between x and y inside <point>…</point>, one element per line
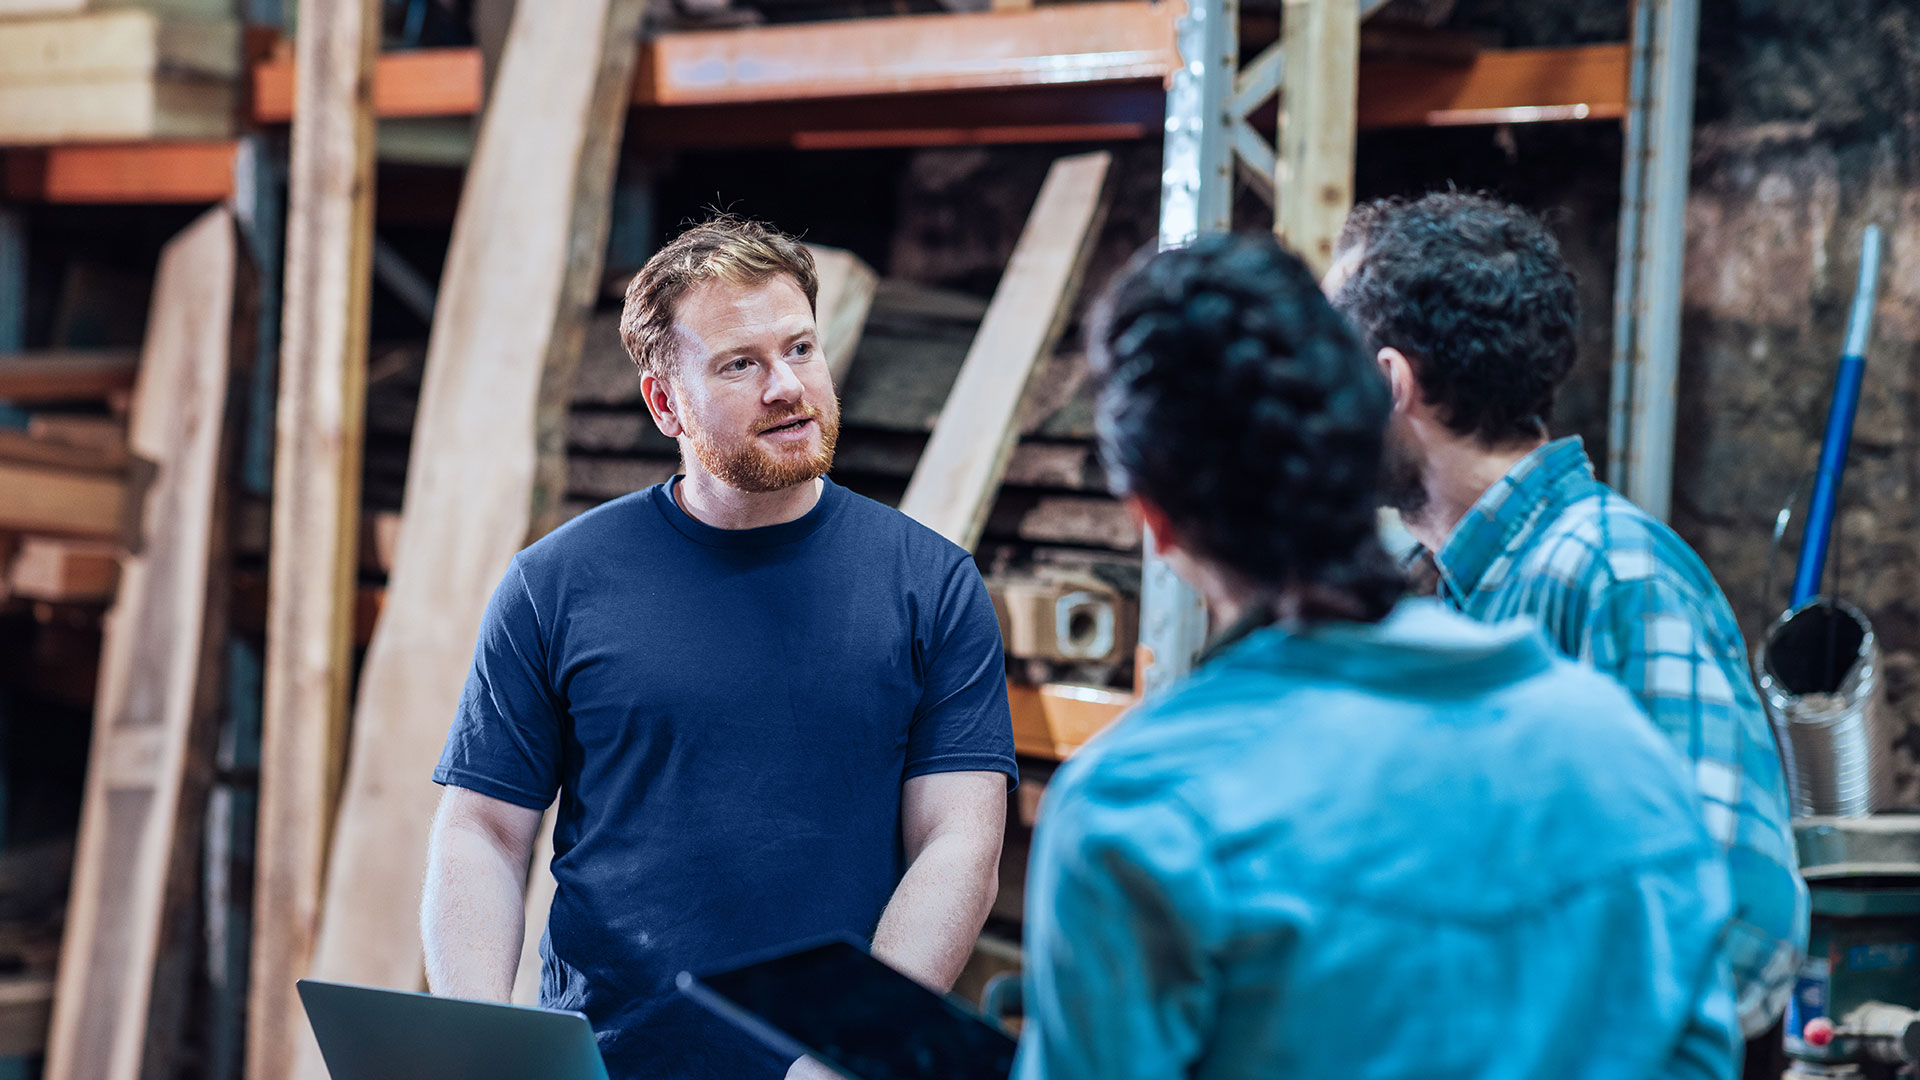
<point>1615,588</point>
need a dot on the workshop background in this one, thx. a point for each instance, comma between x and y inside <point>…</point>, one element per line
<point>124,125</point>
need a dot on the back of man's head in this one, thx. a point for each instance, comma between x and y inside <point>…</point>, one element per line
<point>1239,404</point>
<point>1475,294</point>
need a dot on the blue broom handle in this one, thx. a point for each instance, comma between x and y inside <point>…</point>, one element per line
<point>1846,402</point>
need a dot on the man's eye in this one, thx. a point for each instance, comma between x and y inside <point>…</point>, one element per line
<point>741,364</point>
<point>804,348</point>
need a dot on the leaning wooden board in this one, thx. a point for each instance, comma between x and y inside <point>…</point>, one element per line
<point>953,486</point>
<point>520,277</point>
<point>158,677</point>
<point>840,307</point>
<point>316,511</point>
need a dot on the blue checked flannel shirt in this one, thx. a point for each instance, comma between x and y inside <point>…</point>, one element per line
<point>1615,588</point>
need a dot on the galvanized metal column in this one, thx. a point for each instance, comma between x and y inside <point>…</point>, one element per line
<point>1653,201</point>
<point>1196,196</point>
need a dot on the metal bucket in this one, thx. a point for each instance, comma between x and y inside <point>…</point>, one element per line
<point>1819,674</point>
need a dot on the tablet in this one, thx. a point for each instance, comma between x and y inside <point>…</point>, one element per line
<point>833,1000</point>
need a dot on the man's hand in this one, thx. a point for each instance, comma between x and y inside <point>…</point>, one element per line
<point>473,913</point>
<point>951,825</point>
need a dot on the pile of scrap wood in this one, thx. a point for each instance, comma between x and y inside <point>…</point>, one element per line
<point>66,478</point>
<point>88,70</point>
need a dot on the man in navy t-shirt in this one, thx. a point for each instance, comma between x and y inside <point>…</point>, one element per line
<point>772,709</point>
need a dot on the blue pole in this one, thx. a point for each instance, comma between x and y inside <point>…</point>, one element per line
<point>1833,449</point>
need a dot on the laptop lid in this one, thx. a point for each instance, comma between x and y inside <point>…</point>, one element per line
<point>369,1034</point>
<point>835,1001</point>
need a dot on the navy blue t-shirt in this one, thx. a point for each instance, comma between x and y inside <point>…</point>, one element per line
<point>728,717</point>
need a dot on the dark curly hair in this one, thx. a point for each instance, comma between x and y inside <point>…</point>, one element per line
<point>1475,293</point>
<point>1235,399</point>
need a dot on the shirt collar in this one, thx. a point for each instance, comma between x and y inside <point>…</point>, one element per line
<point>1503,515</point>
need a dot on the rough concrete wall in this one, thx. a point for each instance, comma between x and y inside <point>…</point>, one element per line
<point>1806,132</point>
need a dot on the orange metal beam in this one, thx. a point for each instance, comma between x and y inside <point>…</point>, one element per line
<point>1110,41</point>
<point>187,172</point>
<point>1585,82</point>
<point>422,82</point>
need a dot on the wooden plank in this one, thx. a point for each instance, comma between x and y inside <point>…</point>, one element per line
<point>1065,44</point>
<point>16,8</point>
<point>954,484</point>
<point>521,276</point>
<point>24,448</point>
<point>419,82</point>
<point>26,1008</point>
<point>66,502</point>
<point>100,433</point>
<point>315,556</point>
<point>171,172</point>
<point>119,109</point>
<point>38,378</point>
<point>846,293</point>
<point>65,571</point>
<point>1582,82</point>
<point>1313,172</point>
<point>1053,721</point>
<point>159,682</point>
<point>130,41</point>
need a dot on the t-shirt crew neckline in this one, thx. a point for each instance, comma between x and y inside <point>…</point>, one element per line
<point>832,497</point>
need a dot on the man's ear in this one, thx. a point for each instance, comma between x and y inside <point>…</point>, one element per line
<point>1150,517</point>
<point>663,403</point>
<point>1400,378</point>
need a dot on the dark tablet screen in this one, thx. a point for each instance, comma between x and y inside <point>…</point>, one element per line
<point>837,1002</point>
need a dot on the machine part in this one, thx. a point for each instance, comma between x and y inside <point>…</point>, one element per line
<point>1840,413</point>
<point>1063,616</point>
<point>1818,668</point>
<point>1883,846</point>
<point>1854,1000</point>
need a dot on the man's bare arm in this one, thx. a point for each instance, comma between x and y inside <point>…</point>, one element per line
<point>952,825</point>
<point>473,912</point>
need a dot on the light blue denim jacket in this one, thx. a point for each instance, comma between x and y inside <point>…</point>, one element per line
<point>1427,848</point>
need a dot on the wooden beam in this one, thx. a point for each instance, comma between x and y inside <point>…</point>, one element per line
<point>159,683</point>
<point>521,277</point>
<point>46,377</point>
<point>65,571</point>
<point>954,484</point>
<point>67,502</point>
<point>419,82</point>
<point>1313,172</point>
<point>846,294</point>
<point>1110,41</point>
<point>109,44</point>
<point>169,172</point>
<point>24,448</point>
<point>316,511</point>
<point>26,1008</point>
<point>1053,721</point>
<point>99,433</point>
<point>1582,82</point>
<point>127,107</point>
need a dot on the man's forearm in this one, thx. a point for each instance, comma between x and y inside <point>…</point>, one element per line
<point>472,916</point>
<point>936,913</point>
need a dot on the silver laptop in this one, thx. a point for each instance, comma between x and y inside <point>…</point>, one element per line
<point>368,1034</point>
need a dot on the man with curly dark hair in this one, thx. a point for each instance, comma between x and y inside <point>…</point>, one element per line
<point>1469,308</point>
<point>1362,839</point>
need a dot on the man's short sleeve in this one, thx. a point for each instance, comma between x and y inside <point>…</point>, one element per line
<point>505,741</point>
<point>962,724</point>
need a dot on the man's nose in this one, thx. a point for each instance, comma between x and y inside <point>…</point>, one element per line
<point>783,384</point>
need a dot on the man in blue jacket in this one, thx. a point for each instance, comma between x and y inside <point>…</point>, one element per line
<point>1362,840</point>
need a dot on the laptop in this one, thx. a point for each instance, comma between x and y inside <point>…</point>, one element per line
<point>368,1034</point>
<point>833,1000</point>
